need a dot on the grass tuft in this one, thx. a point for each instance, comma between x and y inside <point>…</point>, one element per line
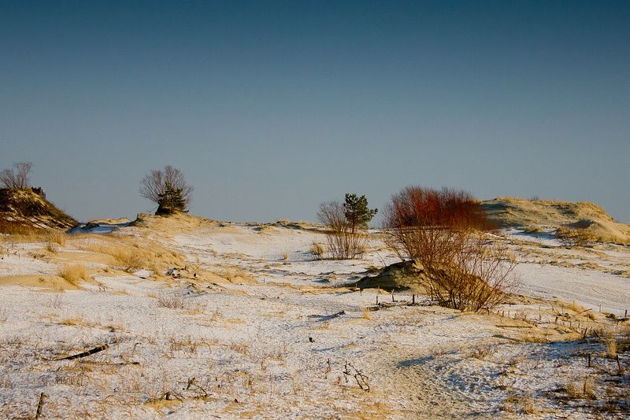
<point>73,274</point>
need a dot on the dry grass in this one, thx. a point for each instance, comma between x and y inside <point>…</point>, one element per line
<point>131,254</point>
<point>236,275</point>
<point>74,273</point>
<point>365,313</point>
<point>582,389</point>
<point>171,301</point>
<point>56,237</point>
<point>241,348</point>
<point>56,302</point>
<point>481,353</point>
<point>317,250</point>
<point>611,347</point>
<point>516,403</point>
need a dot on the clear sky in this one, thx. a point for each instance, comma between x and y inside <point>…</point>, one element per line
<point>271,107</point>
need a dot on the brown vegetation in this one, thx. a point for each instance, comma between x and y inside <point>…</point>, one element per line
<point>441,231</point>
<point>168,189</point>
<point>24,212</point>
<point>344,241</point>
<point>73,274</point>
<point>16,178</point>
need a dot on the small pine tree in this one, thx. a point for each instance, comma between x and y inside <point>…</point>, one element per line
<point>171,200</point>
<point>168,189</point>
<point>356,211</point>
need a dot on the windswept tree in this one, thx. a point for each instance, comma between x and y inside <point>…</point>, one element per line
<point>356,211</point>
<point>168,189</point>
<point>17,178</point>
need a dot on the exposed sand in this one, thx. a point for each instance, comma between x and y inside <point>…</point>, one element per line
<point>587,218</point>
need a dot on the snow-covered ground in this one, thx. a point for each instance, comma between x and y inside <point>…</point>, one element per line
<point>281,337</point>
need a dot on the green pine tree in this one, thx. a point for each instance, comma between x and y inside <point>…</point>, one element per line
<point>171,200</point>
<point>357,213</point>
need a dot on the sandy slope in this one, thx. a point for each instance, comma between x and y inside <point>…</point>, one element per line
<point>588,218</point>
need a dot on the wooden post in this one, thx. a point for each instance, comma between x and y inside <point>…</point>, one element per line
<point>413,300</point>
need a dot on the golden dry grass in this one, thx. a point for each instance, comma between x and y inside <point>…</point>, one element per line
<point>236,275</point>
<point>581,389</point>
<point>317,249</point>
<point>365,313</point>
<point>579,223</point>
<point>56,237</point>
<point>515,403</point>
<point>74,273</point>
<point>131,254</point>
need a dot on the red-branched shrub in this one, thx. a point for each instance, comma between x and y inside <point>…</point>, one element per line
<point>417,206</point>
<point>441,229</point>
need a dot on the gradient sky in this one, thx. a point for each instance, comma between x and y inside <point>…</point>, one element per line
<point>270,107</point>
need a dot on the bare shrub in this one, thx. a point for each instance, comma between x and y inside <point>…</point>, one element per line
<point>476,278</point>
<point>441,230</point>
<point>17,178</point>
<point>343,243</point>
<point>168,189</point>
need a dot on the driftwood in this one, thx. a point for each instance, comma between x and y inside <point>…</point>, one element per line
<point>328,317</point>
<point>515,326</point>
<point>191,383</point>
<point>84,353</point>
<point>359,377</point>
<point>40,405</point>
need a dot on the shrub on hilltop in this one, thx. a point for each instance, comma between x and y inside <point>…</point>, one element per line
<point>168,189</point>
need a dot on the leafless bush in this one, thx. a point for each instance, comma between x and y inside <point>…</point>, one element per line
<point>341,241</point>
<point>17,178</point>
<point>168,189</point>
<point>441,230</point>
<point>476,278</point>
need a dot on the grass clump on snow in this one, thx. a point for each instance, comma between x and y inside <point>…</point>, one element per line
<point>73,274</point>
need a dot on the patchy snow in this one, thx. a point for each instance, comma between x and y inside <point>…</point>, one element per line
<point>292,344</point>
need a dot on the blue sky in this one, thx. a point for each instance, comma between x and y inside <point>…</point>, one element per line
<point>270,108</point>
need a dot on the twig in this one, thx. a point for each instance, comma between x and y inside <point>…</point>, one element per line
<point>191,382</point>
<point>85,353</point>
<point>362,380</point>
